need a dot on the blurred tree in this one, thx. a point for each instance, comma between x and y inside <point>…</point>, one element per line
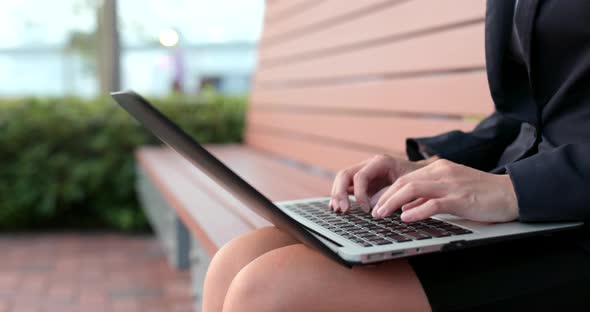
<point>83,43</point>
<point>100,49</point>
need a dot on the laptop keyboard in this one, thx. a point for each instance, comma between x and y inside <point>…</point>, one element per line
<point>360,228</point>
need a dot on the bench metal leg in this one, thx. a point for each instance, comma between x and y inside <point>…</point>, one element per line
<point>170,231</point>
<point>181,257</point>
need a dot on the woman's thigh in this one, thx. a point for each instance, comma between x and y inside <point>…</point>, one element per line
<point>297,278</point>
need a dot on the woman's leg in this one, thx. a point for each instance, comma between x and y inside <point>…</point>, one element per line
<point>297,278</point>
<point>269,271</point>
<point>235,255</point>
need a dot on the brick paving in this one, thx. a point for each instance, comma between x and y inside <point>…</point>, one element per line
<point>88,272</point>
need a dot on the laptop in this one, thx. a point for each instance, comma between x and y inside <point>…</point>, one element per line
<point>354,238</point>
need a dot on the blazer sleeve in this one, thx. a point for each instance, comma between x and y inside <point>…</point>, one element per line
<point>480,148</point>
<point>554,185</point>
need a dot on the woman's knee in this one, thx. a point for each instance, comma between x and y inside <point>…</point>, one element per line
<point>236,254</point>
<point>297,278</point>
<point>260,286</point>
<point>240,251</point>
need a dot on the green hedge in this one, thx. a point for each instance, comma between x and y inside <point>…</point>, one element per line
<point>69,162</point>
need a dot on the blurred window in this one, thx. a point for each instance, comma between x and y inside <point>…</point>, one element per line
<point>48,48</point>
<point>45,47</point>
<point>175,45</point>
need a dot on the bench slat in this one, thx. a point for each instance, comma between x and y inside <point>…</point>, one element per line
<point>212,227</point>
<point>445,51</point>
<point>327,156</point>
<point>275,179</point>
<point>278,181</point>
<point>277,12</point>
<point>402,18</point>
<point>356,131</point>
<point>454,94</point>
<point>221,198</point>
<point>320,13</point>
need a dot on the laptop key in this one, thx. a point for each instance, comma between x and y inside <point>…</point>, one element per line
<point>369,236</point>
<point>398,238</point>
<point>383,222</point>
<point>459,231</point>
<point>381,241</point>
<point>358,231</point>
<point>435,232</point>
<point>364,243</point>
<point>417,235</point>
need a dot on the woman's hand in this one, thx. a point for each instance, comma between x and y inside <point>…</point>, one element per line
<point>447,187</point>
<point>365,179</point>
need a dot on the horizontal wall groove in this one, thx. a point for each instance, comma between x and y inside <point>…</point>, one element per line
<point>322,25</point>
<point>347,48</point>
<point>359,79</point>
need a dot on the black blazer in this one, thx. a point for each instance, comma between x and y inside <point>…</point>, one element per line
<point>540,131</point>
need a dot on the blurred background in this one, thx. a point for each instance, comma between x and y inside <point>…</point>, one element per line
<point>56,48</point>
<point>72,229</point>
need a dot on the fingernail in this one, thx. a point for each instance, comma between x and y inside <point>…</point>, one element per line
<point>375,212</point>
<point>335,205</point>
<point>407,216</point>
<point>366,206</point>
<point>330,205</point>
<point>343,204</point>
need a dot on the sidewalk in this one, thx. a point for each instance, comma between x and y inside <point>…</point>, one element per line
<point>88,272</point>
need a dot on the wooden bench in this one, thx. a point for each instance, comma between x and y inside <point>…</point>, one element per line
<point>337,82</point>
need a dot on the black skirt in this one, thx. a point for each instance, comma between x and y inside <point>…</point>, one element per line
<point>547,273</point>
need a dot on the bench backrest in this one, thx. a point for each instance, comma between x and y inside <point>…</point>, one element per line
<point>341,80</point>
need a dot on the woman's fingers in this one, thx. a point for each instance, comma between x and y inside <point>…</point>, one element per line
<point>391,201</point>
<point>340,187</point>
<point>437,170</point>
<point>414,204</point>
<point>339,190</point>
<point>431,173</point>
<point>426,210</point>
<point>377,167</point>
<point>439,187</point>
<point>377,196</point>
<point>360,177</point>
